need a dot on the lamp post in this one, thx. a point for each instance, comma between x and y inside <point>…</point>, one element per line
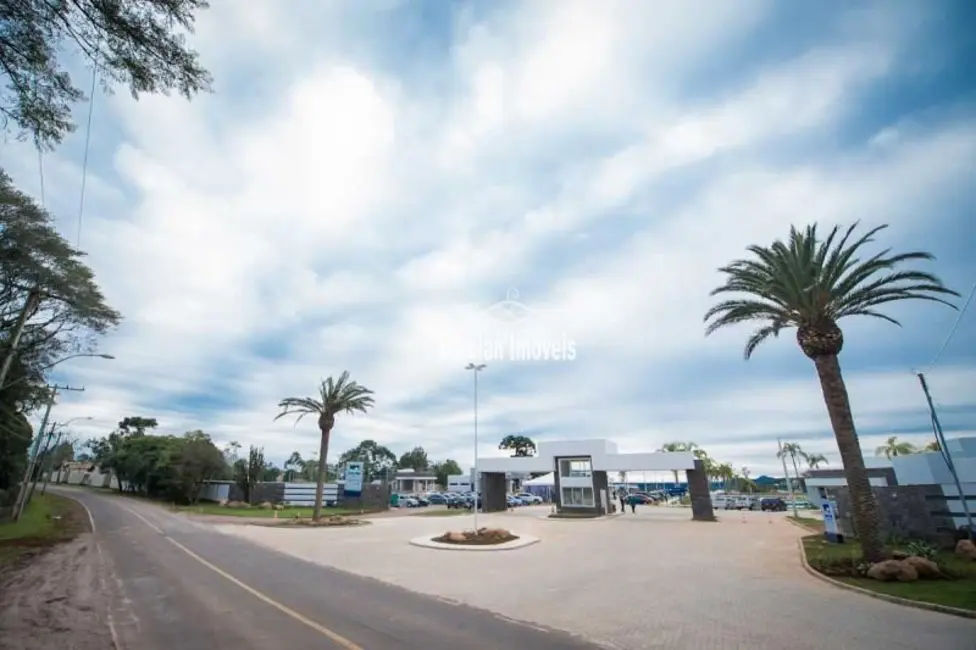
<point>476,368</point>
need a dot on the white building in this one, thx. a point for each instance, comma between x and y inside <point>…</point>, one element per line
<point>928,468</point>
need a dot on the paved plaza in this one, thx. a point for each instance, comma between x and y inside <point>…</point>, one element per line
<point>634,582</point>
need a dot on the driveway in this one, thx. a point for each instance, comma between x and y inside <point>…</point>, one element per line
<point>166,581</point>
<point>650,580</point>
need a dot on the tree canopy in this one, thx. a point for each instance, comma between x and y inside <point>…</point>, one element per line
<point>415,459</point>
<point>378,461</point>
<point>519,445</point>
<point>443,469</point>
<point>137,43</point>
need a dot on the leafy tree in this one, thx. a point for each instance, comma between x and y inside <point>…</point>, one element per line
<point>377,460</point>
<point>137,426</point>
<point>519,445</point>
<point>335,396</point>
<point>270,473</point>
<point>445,468</point>
<point>16,434</point>
<point>932,446</point>
<point>138,43</point>
<point>811,283</point>
<point>892,447</point>
<point>415,459</point>
<point>193,460</point>
<point>71,313</point>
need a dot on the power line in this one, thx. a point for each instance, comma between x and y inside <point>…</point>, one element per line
<point>955,326</point>
<point>84,164</point>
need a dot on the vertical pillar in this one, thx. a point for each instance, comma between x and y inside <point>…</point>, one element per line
<point>701,497</point>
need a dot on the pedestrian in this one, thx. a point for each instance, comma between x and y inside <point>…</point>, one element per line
<point>633,504</point>
<point>623,503</point>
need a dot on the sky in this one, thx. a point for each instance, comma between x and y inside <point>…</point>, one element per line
<point>398,188</point>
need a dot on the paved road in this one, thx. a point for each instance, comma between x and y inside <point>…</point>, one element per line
<point>179,584</point>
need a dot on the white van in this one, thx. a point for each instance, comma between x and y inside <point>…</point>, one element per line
<point>723,502</point>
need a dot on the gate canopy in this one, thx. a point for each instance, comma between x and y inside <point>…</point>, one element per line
<point>603,456</point>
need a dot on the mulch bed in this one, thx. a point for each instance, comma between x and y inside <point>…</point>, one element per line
<point>480,538</point>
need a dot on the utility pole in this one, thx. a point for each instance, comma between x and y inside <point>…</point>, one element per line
<point>30,306</point>
<point>21,502</point>
<point>48,466</point>
<point>944,449</point>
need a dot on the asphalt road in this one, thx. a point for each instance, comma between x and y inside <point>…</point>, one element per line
<point>179,584</point>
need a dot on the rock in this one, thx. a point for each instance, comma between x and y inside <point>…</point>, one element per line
<point>900,555</point>
<point>925,568</point>
<point>278,506</point>
<point>966,549</point>
<point>266,505</point>
<point>230,504</point>
<point>455,536</point>
<point>893,570</point>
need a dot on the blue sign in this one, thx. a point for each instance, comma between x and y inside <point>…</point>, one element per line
<point>354,478</point>
<point>831,531</point>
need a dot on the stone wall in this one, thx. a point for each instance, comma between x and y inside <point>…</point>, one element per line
<point>261,492</point>
<point>373,497</point>
<point>698,492</point>
<point>906,511</point>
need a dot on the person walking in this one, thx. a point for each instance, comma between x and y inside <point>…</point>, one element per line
<point>623,502</point>
<point>633,503</point>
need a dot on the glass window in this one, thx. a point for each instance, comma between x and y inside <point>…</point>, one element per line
<point>574,497</point>
<point>575,467</point>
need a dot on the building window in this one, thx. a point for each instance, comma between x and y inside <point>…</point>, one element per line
<point>575,468</point>
<point>574,497</point>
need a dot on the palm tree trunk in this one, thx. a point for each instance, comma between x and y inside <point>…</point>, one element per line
<point>320,477</point>
<point>796,472</point>
<point>867,521</point>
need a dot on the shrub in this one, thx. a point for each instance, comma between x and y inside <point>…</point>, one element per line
<point>922,548</point>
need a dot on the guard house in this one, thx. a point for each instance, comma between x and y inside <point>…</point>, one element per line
<point>580,470</point>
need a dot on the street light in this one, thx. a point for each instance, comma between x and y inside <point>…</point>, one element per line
<point>476,368</point>
<point>59,361</point>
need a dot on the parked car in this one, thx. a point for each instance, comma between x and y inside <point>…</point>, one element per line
<point>774,504</point>
<point>422,501</point>
<point>744,502</point>
<point>723,502</point>
<point>408,501</point>
<point>530,499</point>
<point>437,499</point>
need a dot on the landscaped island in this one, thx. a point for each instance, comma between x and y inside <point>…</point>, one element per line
<point>480,537</point>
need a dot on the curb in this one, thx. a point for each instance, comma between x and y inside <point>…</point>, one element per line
<point>917,604</point>
<point>428,542</point>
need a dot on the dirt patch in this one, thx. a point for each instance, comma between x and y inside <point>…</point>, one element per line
<point>52,589</point>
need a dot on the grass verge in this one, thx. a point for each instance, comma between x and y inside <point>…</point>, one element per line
<point>959,592</point>
<point>812,523</point>
<point>49,519</point>
<point>253,511</point>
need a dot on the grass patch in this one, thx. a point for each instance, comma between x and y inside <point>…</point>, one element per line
<point>48,520</point>
<point>257,512</point>
<point>840,561</point>
<point>814,524</point>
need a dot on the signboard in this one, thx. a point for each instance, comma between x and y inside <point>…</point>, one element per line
<point>829,509</point>
<point>354,478</point>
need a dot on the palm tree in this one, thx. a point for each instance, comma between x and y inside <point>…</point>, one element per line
<point>678,446</point>
<point>892,448</point>
<point>792,450</point>
<point>933,446</point>
<point>338,396</point>
<point>816,460</point>
<point>810,284</point>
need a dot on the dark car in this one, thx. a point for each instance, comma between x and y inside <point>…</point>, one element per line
<point>437,499</point>
<point>772,505</point>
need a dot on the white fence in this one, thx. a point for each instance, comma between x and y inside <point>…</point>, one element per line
<point>303,494</point>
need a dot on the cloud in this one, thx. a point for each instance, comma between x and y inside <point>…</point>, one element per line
<point>355,200</point>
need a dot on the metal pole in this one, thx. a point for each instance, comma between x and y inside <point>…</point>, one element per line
<point>940,438</point>
<point>33,298</point>
<point>22,494</point>
<point>477,480</point>
<point>789,483</point>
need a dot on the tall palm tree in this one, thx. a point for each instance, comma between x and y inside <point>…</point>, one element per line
<point>792,450</point>
<point>810,284</point>
<point>678,446</point>
<point>892,448</point>
<point>816,460</point>
<point>335,396</point>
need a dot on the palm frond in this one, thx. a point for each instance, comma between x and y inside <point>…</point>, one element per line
<point>802,281</point>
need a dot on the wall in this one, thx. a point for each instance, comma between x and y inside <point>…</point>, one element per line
<point>931,469</point>
<point>214,492</point>
<point>374,497</point>
<point>906,511</point>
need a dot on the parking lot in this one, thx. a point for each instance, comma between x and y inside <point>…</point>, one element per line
<point>650,580</point>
